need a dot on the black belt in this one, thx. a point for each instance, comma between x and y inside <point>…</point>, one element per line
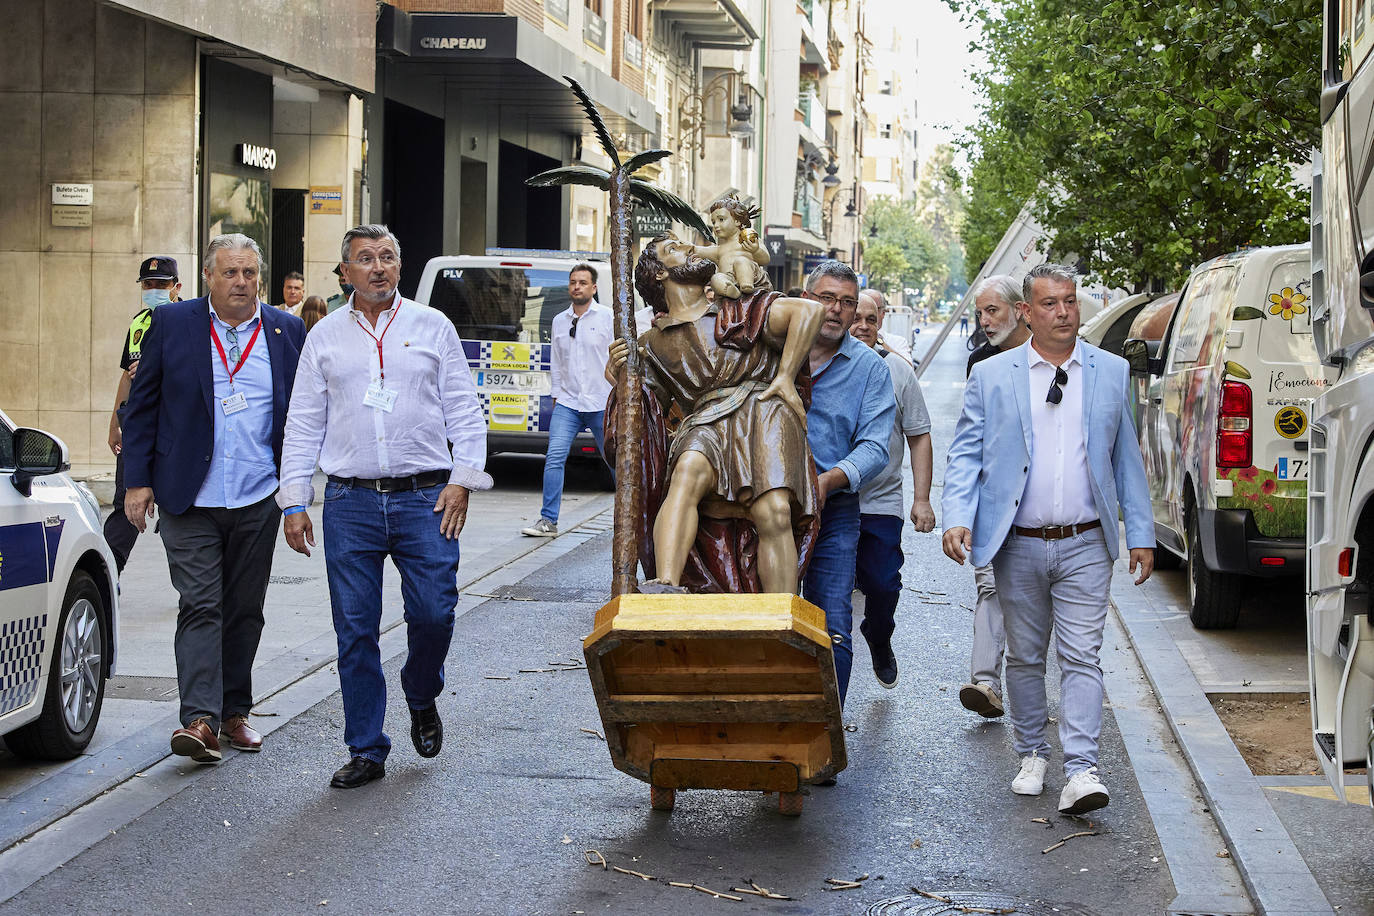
<point>395,484</point>
<point>1058,532</point>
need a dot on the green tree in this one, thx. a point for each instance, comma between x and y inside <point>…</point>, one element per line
<point>886,265</point>
<point>940,206</point>
<point>1149,136</point>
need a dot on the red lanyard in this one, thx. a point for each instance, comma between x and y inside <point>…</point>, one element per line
<point>243,357</point>
<point>381,366</point>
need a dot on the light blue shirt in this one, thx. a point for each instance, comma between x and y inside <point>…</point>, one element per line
<point>242,470</point>
<point>852,413</point>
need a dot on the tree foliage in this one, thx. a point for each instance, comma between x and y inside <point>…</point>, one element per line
<point>924,230</point>
<point>1149,136</point>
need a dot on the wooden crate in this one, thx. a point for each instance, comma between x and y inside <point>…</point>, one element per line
<point>717,692</point>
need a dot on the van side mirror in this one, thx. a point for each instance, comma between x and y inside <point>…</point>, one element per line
<point>1137,353</point>
<point>36,454</point>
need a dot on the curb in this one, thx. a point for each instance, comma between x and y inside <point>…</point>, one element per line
<point>88,776</point>
<point>1275,875</point>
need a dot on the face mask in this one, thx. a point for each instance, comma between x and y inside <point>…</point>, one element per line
<point>152,298</point>
<point>348,289</point>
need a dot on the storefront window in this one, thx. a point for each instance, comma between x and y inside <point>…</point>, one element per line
<point>239,204</point>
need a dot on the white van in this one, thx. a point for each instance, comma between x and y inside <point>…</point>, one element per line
<point>1224,424</point>
<point>503,304</point>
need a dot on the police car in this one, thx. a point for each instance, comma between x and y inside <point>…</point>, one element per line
<point>58,600</point>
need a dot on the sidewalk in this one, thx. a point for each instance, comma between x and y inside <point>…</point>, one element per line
<point>140,706</point>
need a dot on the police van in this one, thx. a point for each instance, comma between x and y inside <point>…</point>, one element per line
<point>503,304</point>
<point>59,600</point>
<point>1224,424</point>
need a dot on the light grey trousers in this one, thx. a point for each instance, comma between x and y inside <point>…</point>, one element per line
<point>1058,586</point>
<point>988,637</point>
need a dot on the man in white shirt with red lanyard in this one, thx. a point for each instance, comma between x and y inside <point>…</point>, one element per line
<point>382,394</point>
<point>579,340</point>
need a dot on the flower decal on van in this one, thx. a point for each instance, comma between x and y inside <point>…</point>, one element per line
<point>1287,303</point>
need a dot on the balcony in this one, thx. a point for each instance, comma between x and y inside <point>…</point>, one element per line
<point>808,205</point>
<point>707,23</point>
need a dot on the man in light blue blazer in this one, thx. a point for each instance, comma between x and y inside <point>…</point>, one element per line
<point>1044,453</point>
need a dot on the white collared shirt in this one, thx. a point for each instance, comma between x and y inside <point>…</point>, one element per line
<point>578,363</point>
<point>1059,485</point>
<point>436,403</point>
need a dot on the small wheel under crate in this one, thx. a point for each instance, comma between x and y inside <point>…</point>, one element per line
<point>661,799</point>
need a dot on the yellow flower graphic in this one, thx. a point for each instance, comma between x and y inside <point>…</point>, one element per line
<point>1287,303</point>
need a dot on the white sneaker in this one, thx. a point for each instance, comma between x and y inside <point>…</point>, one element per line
<point>540,529</point>
<point>1031,779</point>
<point>1083,793</point>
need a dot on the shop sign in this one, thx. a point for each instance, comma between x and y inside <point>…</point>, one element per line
<point>326,200</point>
<point>594,30</point>
<point>811,261</point>
<point>634,51</point>
<point>649,223</point>
<point>450,36</point>
<point>777,249</point>
<point>557,10</point>
<point>75,215</point>
<point>79,195</point>
<point>259,157</point>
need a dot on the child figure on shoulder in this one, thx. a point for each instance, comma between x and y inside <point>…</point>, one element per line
<point>737,253</point>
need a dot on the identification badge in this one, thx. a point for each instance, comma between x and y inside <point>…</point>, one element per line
<point>384,399</point>
<point>234,403</point>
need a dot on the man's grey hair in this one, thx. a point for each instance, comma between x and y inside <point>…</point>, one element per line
<point>879,300</point>
<point>375,231</point>
<point>234,241</point>
<point>1046,271</point>
<point>831,268</point>
<point>1007,290</point>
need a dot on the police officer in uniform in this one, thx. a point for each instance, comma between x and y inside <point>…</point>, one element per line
<point>157,278</point>
<point>341,297</point>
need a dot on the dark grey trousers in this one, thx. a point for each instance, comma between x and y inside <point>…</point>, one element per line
<point>220,560</point>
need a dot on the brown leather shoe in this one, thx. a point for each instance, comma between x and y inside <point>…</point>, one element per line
<point>239,734</point>
<point>197,741</point>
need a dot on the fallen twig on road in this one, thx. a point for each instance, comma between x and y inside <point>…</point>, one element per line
<point>599,860</point>
<point>929,896</point>
<point>1066,839</point>
<point>592,731</point>
<point>843,884</point>
<point>759,891</point>
<point>264,714</point>
<point>498,677</point>
<point>962,908</point>
<point>551,670</point>
<point>719,895</point>
<point>966,607</point>
<point>637,874</point>
<point>497,597</point>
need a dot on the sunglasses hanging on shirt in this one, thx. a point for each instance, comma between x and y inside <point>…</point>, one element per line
<point>573,331</point>
<point>1056,391</point>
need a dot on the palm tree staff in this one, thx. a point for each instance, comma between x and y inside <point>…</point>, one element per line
<point>624,190</point>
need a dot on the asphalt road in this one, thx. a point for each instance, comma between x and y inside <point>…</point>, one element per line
<point>499,823</point>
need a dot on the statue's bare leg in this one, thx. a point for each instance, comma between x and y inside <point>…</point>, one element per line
<point>772,516</point>
<point>675,529</point>
<point>744,270</point>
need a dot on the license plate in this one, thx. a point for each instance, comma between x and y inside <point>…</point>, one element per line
<point>535,383</point>
<point>1292,469</point>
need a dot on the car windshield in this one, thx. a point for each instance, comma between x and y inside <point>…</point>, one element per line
<point>501,303</point>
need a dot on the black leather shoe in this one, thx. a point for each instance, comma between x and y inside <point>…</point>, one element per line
<point>357,772</point>
<point>426,731</point>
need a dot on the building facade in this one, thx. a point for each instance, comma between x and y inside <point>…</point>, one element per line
<point>142,128</point>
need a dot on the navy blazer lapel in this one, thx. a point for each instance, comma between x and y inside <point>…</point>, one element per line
<point>1020,386</point>
<point>272,329</point>
<point>204,368</point>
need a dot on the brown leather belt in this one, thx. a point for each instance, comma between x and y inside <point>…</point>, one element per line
<point>1058,532</point>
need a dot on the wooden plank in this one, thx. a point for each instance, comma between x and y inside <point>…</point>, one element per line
<point>732,680</point>
<point>716,708</point>
<point>740,775</point>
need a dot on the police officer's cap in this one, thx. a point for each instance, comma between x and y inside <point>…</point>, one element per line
<point>158,267</point>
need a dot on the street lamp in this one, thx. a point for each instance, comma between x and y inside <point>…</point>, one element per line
<point>692,113</point>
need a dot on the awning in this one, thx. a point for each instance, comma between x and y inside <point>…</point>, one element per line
<point>510,64</point>
<point>707,23</point>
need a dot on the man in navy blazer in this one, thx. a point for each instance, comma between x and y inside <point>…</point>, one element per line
<point>1044,453</point>
<point>202,440</point>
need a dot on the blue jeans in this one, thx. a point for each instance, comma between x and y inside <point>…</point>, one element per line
<point>1056,586</point>
<point>564,426</point>
<point>361,527</point>
<point>878,574</point>
<point>829,581</point>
